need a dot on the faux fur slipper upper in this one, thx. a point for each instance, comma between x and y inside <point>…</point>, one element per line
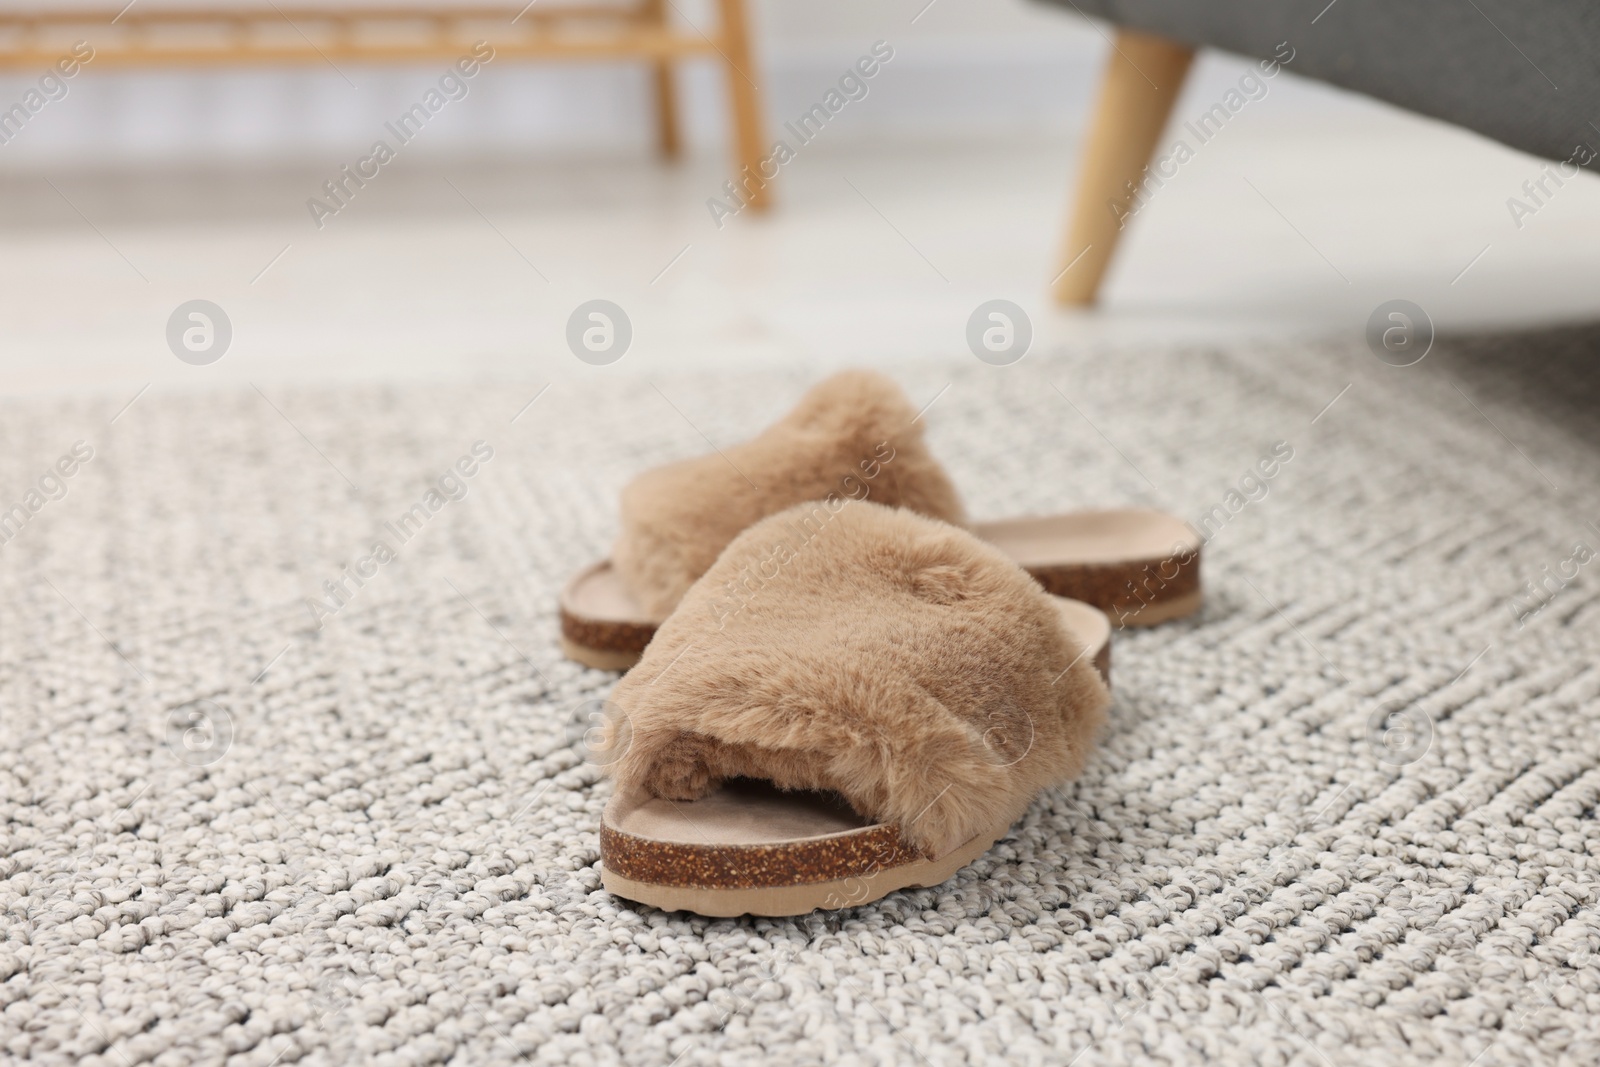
<point>850,692</point>
<point>854,436</point>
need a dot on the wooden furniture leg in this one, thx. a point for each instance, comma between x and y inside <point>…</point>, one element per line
<point>666,89</point>
<point>1142,81</point>
<point>746,101</point>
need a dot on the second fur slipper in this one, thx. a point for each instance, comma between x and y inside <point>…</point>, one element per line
<point>854,436</point>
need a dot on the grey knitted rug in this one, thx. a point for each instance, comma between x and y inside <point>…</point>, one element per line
<point>293,771</point>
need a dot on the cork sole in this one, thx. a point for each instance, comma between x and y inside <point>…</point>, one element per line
<point>1140,567</point>
<point>751,849</point>
<point>804,898</point>
<point>1091,629</point>
<point>599,658</point>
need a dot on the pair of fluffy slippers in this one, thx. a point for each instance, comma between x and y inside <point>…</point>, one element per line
<point>848,695</point>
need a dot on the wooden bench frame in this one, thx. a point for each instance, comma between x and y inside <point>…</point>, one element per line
<point>137,36</point>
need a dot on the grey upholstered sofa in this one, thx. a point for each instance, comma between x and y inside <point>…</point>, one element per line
<point>1523,72</point>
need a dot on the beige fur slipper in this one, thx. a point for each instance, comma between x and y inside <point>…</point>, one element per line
<point>854,436</point>
<point>875,715</point>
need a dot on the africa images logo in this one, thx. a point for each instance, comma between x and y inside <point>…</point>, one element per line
<point>341,189</point>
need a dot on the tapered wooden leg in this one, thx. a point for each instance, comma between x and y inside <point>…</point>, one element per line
<point>746,103</point>
<point>1142,81</point>
<point>666,90</point>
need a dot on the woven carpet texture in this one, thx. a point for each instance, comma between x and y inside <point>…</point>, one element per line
<point>1346,815</point>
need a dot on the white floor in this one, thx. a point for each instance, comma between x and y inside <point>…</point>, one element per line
<point>1286,224</point>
